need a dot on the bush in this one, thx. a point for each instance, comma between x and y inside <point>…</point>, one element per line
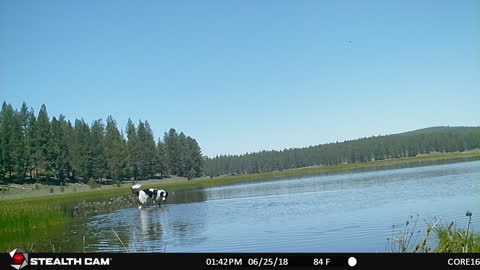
<point>92,183</point>
<point>191,174</point>
<point>51,190</point>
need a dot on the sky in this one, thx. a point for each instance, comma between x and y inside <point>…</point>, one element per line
<point>242,76</point>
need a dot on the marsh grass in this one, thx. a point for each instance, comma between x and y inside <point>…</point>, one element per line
<point>437,237</point>
<point>453,240</point>
<point>23,219</point>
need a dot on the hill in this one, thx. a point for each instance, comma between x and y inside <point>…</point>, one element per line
<point>407,144</point>
<point>441,129</point>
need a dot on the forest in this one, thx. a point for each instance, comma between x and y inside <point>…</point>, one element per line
<point>36,148</point>
<point>408,144</point>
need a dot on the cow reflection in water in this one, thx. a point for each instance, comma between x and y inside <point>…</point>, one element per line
<point>152,224</point>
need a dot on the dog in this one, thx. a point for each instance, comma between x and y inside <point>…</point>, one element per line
<point>156,195</point>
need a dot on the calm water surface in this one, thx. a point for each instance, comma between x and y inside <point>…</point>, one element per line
<point>351,212</point>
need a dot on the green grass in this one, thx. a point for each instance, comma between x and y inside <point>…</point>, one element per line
<point>452,240</point>
<point>457,241</point>
<point>439,238</point>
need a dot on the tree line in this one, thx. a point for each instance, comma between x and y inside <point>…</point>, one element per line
<point>35,147</point>
<point>425,141</point>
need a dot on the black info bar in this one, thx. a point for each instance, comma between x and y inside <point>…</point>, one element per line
<point>16,260</point>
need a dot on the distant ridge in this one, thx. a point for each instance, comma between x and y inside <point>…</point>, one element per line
<point>439,139</point>
<point>441,129</point>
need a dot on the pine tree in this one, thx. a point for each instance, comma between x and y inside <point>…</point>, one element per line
<point>41,142</point>
<point>162,160</point>
<point>170,140</point>
<point>183,155</point>
<point>115,151</point>
<point>149,151</point>
<point>146,150</point>
<point>98,156</point>
<point>133,154</point>
<point>81,152</point>
<point>59,152</point>
<point>195,159</point>
<point>10,140</point>
<point>27,118</point>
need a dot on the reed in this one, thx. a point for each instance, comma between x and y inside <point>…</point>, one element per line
<point>439,238</point>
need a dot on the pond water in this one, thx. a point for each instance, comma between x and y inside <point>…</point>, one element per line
<point>349,212</point>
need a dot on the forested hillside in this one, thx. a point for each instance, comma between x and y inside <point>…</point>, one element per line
<point>35,147</point>
<point>409,144</point>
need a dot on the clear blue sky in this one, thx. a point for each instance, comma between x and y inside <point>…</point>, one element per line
<point>242,76</point>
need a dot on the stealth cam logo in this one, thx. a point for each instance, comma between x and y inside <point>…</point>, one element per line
<point>19,257</point>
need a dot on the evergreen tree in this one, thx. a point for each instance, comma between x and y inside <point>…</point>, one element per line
<point>147,150</point>
<point>116,151</point>
<point>133,150</point>
<point>171,148</point>
<point>82,152</point>
<point>59,152</point>
<point>11,141</point>
<point>195,159</point>
<point>162,166</point>
<point>41,143</point>
<point>98,155</point>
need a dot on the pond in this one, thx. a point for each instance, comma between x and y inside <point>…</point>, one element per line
<point>348,212</point>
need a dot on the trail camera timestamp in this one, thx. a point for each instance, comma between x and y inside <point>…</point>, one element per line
<point>247,261</point>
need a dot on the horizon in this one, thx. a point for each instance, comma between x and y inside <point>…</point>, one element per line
<point>244,78</point>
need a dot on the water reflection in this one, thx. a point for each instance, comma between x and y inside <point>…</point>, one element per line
<point>151,229</point>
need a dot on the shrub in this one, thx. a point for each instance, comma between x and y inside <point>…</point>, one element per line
<point>92,183</point>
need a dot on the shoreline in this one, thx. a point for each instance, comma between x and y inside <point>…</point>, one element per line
<point>176,183</point>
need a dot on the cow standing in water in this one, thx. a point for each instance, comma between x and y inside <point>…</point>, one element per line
<point>156,195</point>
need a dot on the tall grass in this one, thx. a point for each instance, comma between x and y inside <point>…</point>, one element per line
<point>21,219</point>
<point>453,240</point>
<point>440,238</point>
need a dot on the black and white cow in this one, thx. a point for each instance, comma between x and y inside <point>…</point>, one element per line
<point>156,195</point>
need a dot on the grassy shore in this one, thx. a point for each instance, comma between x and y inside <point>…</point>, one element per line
<point>25,214</point>
<point>26,193</point>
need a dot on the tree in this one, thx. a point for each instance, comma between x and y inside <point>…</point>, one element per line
<point>41,143</point>
<point>195,159</point>
<point>81,152</point>
<point>98,155</point>
<point>37,147</point>
<point>146,149</point>
<point>27,118</point>
<point>116,151</point>
<point>170,140</point>
<point>162,160</point>
<point>133,153</point>
<point>59,152</point>
<point>11,142</point>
